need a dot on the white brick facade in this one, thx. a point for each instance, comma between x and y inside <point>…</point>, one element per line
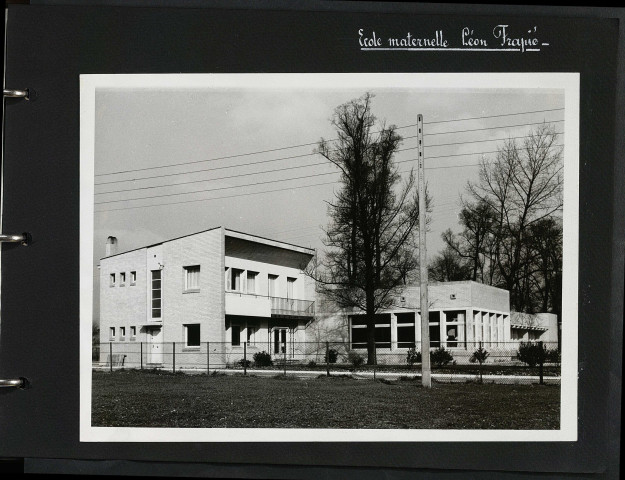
<point>161,308</point>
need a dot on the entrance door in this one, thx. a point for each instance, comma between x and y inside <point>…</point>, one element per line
<point>155,346</point>
<point>280,336</point>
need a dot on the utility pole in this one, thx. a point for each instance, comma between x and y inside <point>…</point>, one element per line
<point>426,370</point>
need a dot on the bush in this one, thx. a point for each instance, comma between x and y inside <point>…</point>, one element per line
<point>480,355</point>
<point>440,356</point>
<point>531,353</point>
<point>413,356</point>
<point>262,359</point>
<point>312,364</point>
<point>355,359</point>
<point>553,356</point>
<point>245,363</point>
<point>331,356</point>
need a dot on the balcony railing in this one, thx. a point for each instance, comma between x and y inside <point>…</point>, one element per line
<point>280,305</point>
<point>292,306</point>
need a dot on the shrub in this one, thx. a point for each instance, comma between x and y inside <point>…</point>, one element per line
<point>531,353</point>
<point>440,356</point>
<point>312,364</point>
<point>480,355</point>
<point>262,359</point>
<point>332,356</point>
<point>553,356</point>
<point>245,363</point>
<point>413,356</point>
<point>355,359</point>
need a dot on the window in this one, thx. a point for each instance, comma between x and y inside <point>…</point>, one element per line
<point>236,335</point>
<point>454,330</point>
<point>192,279</point>
<point>382,330</point>
<point>133,332</point>
<point>133,278</point>
<point>435,328</point>
<point>452,335</point>
<point>122,279</point>
<point>235,279</point>
<point>122,333</point>
<point>156,294</point>
<point>192,335</point>
<point>112,280</point>
<point>112,333</point>
<point>405,330</point>
<point>251,282</point>
<point>290,287</point>
<point>273,285</point>
<point>251,334</point>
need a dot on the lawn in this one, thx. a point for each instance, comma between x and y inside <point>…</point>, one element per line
<point>158,399</point>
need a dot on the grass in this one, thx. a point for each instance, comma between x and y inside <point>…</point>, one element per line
<point>158,399</point>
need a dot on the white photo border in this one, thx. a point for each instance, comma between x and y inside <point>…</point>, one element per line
<point>568,82</point>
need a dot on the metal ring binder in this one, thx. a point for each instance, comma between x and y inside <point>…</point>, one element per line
<point>15,93</point>
<point>13,383</point>
<point>23,238</point>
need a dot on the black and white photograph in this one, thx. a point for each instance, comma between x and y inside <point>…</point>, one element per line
<point>329,257</point>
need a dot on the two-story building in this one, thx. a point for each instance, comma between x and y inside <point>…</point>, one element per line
<point>217,289</point>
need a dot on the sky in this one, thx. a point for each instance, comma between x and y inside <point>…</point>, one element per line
<point>232,143</point>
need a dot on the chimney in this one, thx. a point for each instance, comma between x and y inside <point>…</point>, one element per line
<point>111,246</point>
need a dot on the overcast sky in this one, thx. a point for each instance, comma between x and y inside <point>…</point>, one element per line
<point>199,137</point>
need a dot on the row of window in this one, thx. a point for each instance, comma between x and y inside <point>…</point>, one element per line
<point>453,334</point>
<point>191,334</point>
<point>246,281</point>
<point>122,279</point>
<point>122,333</point>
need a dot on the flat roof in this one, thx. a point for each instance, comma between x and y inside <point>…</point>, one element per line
<point>234,234</point>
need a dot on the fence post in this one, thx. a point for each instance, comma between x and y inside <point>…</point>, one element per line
<point>480,367</point>
<point>245,358</point>
<point>541,360</point>
<point>111,355</point>
<point>284,359</point>
<point>174,357</point>
<point>208,358</point>
<point>141,355</point>
<point>328,359</point>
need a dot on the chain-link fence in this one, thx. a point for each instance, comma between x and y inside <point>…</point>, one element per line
<point>500,362</point>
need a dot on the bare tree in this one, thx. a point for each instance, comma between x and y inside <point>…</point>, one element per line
<point>521,187</point>
<point>370,240</point>
<point>449,266</point>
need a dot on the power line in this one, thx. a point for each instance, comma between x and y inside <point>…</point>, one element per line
<point>267,171</point>
<point>490,128</point>
<point>315,143</point>
<point>271,181</point>
<point>249,193</point>
<point>298,156</point>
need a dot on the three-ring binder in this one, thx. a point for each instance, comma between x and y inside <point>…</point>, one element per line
<point>23,238</point>
<point>13,382</point>
<point>7,92</point>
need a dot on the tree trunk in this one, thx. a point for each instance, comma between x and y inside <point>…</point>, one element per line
<point>371,349</point>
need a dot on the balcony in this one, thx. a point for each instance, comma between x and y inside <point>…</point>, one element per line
<point>290,307</point>
<point>238,303</point>
<point>249,305</point>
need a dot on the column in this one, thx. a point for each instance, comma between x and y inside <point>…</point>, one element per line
<point>393,332</point>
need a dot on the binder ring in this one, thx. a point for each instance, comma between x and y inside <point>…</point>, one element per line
<point>13,382</point>
<point>23,238</point>
<point>15,93</point>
